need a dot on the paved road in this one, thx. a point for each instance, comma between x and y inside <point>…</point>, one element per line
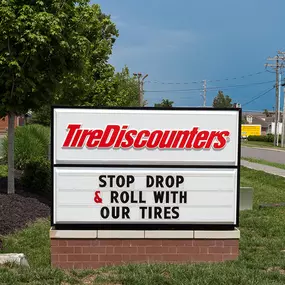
<point>266,154</point>
<point>265,168</point>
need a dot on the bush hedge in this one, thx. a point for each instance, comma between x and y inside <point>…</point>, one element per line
<point>37,177</point>
<point>31,142</point>
<point>264,138</point>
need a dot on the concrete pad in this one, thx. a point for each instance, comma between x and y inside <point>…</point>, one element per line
<point>16,258</point>
<point>121,234</point>
<point>169,234</point>
<point>235,234</point>
<point>77,234</point>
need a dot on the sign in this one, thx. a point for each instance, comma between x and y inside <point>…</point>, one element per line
<point>250,130</point>
<point>180,137</point>
<point>153,195</point>
<point>145,168</point>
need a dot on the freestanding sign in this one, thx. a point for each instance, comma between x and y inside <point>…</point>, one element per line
<point>145,168</point>
<point>250,130</point>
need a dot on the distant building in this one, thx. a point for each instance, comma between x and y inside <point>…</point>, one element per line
<point>271,128</point>
<point>259,118</point>
<point>19,121</point>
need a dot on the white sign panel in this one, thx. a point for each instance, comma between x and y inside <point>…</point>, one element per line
<point>139,195</point>
<point>145,137</point>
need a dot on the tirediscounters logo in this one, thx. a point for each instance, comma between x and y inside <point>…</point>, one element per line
<point>121,137</point>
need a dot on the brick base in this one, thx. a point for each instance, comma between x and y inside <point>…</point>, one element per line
<point>95,253</point>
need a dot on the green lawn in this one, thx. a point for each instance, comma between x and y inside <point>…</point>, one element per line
<point>262,256</point>
<point>265,162</point>
<point>261,144</point>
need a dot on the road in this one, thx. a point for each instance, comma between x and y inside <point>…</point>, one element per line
<point>266,154</point>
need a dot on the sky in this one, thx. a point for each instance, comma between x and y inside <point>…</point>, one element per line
<point>181,43</point>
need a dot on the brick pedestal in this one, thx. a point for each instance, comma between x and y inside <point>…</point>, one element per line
<point>94,249</point>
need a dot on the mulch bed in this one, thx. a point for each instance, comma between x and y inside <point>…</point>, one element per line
<point>21,208</point>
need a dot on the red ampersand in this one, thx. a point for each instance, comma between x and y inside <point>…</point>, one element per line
<point>97,198</point>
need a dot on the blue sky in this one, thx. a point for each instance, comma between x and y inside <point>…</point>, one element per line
<point>185,41</point>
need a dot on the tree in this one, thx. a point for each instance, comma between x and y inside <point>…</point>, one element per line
<point>266,113</point>
<point>165,103</point>
<point>222,101</point>
<point>45,46</point>
<point>120,90</point>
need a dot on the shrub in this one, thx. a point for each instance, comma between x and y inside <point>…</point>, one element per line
<point>31,141</point>
<point>37,177</point>
<point>266,138</point>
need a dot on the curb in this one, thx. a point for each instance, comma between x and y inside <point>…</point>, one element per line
<point>266,148</point>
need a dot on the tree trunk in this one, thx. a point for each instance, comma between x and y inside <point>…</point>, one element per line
<point>11,137</point>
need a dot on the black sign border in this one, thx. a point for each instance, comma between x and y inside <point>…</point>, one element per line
<point>146,226</point>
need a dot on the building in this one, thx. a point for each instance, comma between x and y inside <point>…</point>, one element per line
<point>271,128</point>
<point>4,124</point>
<point>259,119</point>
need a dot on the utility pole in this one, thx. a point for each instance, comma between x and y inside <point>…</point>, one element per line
<point>277,66</point>
<point>283,117</point>
<point>141,89</point>
<point>204,92</point>
<point>283,121</point>
<point>279,108</point>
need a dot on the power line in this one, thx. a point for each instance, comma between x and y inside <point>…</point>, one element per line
<point>209,88</point>
<point>202,81</point>
<point>257,97</point>
<point>204,92</point>
<point>276,66</point>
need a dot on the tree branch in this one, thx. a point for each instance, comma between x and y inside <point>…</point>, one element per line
<point>25,61</point>
<point>13,85</point>
<point>9,49</point>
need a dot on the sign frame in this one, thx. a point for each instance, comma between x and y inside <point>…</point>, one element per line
<point>147,226</point>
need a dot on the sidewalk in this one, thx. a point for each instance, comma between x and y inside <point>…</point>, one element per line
<point>265,168</point>
<point>264,148</point>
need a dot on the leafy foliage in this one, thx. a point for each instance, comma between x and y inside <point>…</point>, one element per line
<point>267,138</point>
<point>165,103</point>
<point>122,90</point>
<point>41,116</point>
<point>51,50</point>
<point>266,113</point>
<point>37,176</point>
<point>48,46</point>
<point>222,101</point>
<point>126,90</point>
<point>31,142</point>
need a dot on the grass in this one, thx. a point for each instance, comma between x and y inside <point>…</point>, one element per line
<point>261,258</point>
<point>265,162</point>
<point>260,144</point>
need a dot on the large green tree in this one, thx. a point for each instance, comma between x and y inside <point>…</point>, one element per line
<point>46,46</point>
<point>222,101</point>
<point>164,103</point>
<point>121,89</point>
